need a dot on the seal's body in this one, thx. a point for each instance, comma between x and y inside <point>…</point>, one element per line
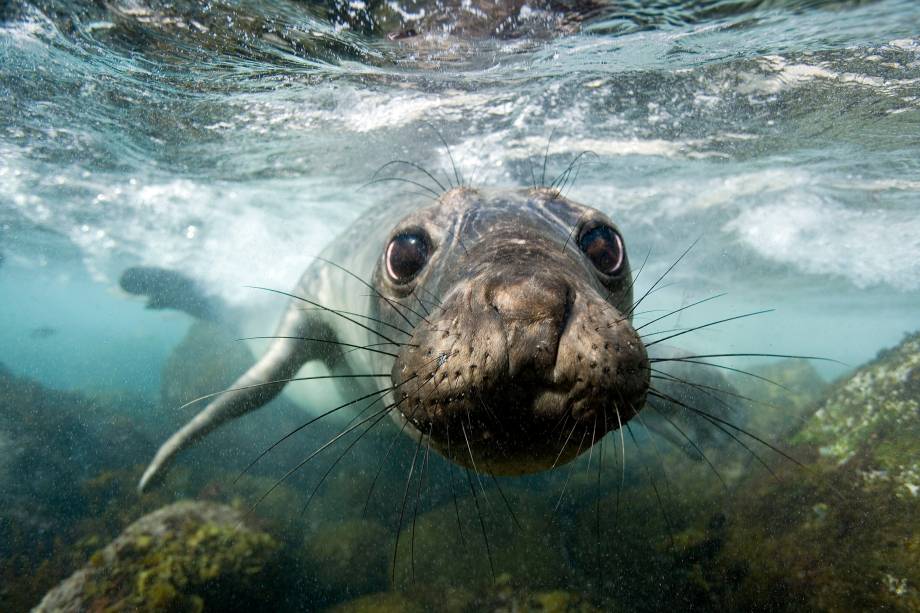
<point>499,318</point>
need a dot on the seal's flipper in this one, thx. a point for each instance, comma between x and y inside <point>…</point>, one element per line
<point>253,389</point>
<point>168,289</point>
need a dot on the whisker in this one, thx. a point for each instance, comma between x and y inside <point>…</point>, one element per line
<point>631,285</point>
<point>683,308</point>
<point>622,483</point>
<point>546,157</point>
<point>434,297</point>
<point>661,463</point>
<point>568,438</point>
<point>703,389</point>
<point>568,171</point>
<point>413,165</point>
<point>721,367</point>
<point>316,452</point>
<point>366,284</point>
<point>402,510</point>
<point>692,443</point>
<point>597,505</point>
<point>402,180</point>
<point>393,304</point>
<point>657,332</point>
<point>324,308</point>
<point>341,457</point>
<point>418,495</point>
<point>363,316</point>
<point>407,418</point>
<point>763,355</point>
<point>571,232</point>
<point>453,491</point>
<point>482,523</point>
<point>718,420</point>
<point>663,275</point>
<point>279,381</point>
<point>472,459</point>
<point>449,154</point>
<point>268,450</point>
<point>707,325</point>
<point>421,304</point>
<point>710,391</point>
<point>318,340</point>
<point>571,472</point>
<point>507,504</point>
<point>648,472</point>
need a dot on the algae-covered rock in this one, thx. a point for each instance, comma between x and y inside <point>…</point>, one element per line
<point>841,533</point>
<point>189,556</point>
<point>507,595</point>
<point>872,420</point>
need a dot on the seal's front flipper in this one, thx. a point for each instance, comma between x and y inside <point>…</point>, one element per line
<point>168,289</point>
<point>262,382</point>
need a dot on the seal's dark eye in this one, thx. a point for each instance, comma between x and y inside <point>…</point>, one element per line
<point>406,255</point>
<point>604,247</point>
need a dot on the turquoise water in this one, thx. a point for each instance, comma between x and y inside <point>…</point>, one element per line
<point>229,139</point>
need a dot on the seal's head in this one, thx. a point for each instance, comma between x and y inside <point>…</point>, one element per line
<point>527,354</point>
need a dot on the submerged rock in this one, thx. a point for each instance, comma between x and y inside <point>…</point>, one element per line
<point>51,443</point>
<point>446,547</point>
<point>841,532</point>
<point>505,595</point>
<point>871,421</point>
<point>349,559</point>
<point>189,556</point>
<point>386,602</point>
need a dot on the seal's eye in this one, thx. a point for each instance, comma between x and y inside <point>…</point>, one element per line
<point>604,247</point>
<point>406,255</point>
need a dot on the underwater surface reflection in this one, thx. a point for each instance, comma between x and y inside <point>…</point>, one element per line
<point>212,147</point>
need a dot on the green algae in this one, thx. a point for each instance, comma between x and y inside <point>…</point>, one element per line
<point>190,556</point>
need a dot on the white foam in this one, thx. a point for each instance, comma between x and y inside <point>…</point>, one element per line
<point>814,235</point>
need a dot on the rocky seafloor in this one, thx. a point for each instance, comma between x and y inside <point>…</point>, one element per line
<point>828,520</point>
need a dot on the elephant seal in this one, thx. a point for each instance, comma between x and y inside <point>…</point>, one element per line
<point>489,321</point>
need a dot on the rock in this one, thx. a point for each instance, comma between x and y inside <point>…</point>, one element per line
<point>388,602</point>
<point>349,559</point>
<point>843,532</point>
<point>448,557</point>
<point>51,443</point>
<point>507,595</point>
<point>189,556</point>
<point>872,420</point>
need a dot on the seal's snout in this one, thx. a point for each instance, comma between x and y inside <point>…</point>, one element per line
<point>533,311</point>
<point>531,345</point>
